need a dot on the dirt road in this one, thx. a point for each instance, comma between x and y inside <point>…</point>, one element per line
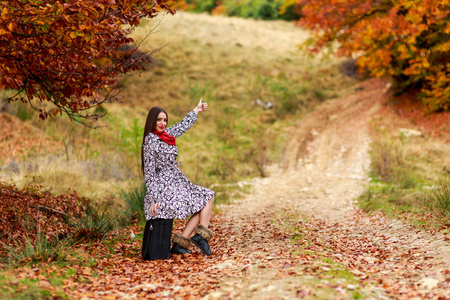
<point>324,170</point>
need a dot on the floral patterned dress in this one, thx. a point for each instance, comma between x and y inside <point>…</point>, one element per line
<point>166,183</point>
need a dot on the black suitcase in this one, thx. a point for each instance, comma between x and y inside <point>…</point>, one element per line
<point>156,243</point>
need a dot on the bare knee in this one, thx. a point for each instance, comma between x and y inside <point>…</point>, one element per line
<point>210,203</point>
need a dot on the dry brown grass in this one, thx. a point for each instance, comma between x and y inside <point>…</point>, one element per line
<point>410,173</point>
<point>20,139</point>
<point>61,176</point>
<point>278,37</point>
<point>229,62</point>
<point>222,55</point>
<point>427,156</point>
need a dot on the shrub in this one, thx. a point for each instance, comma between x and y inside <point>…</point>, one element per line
<point>205,5</point>
<point>93,223</point>
<point>133,196</point>
<point>390,161</point>
<point>291,9</point>
<point>439,199</point>
<point>24,113</point>
<point>40,251</point>
<point>256,9</point>
<point>386,159</point>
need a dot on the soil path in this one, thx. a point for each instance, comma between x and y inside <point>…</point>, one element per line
<point>324,170</point>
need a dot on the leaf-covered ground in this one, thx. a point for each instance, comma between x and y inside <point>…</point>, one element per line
<point>297,234</point>
<point>21,211</point>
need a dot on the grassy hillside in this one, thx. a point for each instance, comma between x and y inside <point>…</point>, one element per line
<point>229,62</point>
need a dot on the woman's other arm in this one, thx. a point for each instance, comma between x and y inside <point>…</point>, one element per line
<point>150,176</point>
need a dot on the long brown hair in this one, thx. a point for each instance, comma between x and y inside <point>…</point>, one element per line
<point>150,126</point>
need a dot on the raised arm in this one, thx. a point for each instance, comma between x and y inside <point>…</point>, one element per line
<point>187,122</point>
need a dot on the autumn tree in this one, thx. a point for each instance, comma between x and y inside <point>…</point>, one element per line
<point>65,51</point>
<point>408,40</point>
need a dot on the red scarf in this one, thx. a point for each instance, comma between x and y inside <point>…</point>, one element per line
<point>169,139</point>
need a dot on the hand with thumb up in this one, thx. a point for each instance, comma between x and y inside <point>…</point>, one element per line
<point>201,106</point>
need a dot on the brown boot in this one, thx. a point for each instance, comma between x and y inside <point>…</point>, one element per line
<point>180,245</point>
<point>202,236</point>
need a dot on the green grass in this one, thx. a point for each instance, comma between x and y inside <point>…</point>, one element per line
<point>439,199</point>
<point>33,253</point>
<point>132,195</point>
<point>94,223</point>
<point>409,179</point>
<point>24,288</point>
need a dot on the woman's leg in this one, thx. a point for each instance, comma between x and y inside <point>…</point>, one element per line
<point>205,213</point>
<point>202,218</point>
<point>190,225</point>
<point>202,234</point>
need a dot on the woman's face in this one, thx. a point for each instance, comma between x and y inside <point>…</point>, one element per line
<point>161,122</point>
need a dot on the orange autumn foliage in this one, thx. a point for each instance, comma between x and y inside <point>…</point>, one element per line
<point>408,40</point>
<point>65,52</point>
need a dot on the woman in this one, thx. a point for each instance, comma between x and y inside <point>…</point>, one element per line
<point>170,195</point>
